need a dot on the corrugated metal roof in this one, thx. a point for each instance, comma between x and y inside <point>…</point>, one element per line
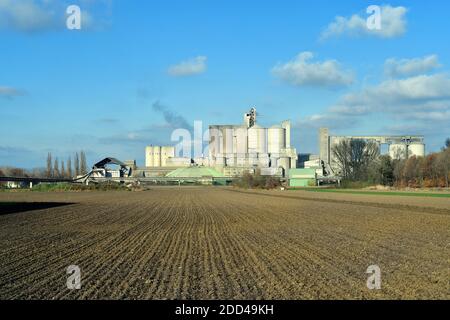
<point>109,160</point>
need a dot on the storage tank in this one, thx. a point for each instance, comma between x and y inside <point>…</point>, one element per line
<point>241,134</point>
<point>416,149</point>
<point>225,140</point>
<point>252,140</point>
<point>221,149</point>
<point>157,156</point>
<point>257,139</point>
<point>398,150</point>
<point>262,140</point>
<point>276,140</point>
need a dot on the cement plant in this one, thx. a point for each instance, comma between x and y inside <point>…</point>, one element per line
<point>248,148</point>
<point>223,159</point>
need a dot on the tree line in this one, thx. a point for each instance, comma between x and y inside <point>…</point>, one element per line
<point>57,168</point>
<point>359,161</point>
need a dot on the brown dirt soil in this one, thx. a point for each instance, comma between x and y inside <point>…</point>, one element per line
<point>207,243</point>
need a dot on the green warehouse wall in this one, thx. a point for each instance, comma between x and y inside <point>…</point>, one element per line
<point>302,177</point>
<point>301,182</point>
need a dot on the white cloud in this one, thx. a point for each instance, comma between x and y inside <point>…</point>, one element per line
<point>409,67</point>
<point>414,105</point>
<point>349,110</point>
<point>190,67</point>
<point>32,16</point>
<point>302,72</point>
<point>393,24</point>
<point>432,116</point>
<point>132,136</point>
<point>329,119</point>
<point>419,104</point>
<point>26,15</point>
<point>394,93</point>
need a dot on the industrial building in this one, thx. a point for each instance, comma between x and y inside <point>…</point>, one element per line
<point>110,168</point>
<point>162,156</point>
<point>234,149</point>
<point>399,147</point>
<point>302,177</point>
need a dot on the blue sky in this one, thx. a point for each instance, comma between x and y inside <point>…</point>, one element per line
<point>139,69</point>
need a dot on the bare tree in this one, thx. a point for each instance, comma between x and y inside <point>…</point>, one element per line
<point>69,167</point>
<point>363,154</point>
<point>447,143</point>
<point>83,165</point>
<point>39,172</point>
<point>77,165</point>
<point>400,154</point>
<point>56,172</point>
<point>342,157</point>
<point>49,165</point>
<point>63,169</point>
<point>353,158</point>
<point>16,172</point>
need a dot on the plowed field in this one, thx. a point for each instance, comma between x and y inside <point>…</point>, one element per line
<point>207,243</point>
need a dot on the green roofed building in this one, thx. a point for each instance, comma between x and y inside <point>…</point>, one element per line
<point>302,177</point>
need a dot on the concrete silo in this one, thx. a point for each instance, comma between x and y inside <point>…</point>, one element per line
<point>276,140</point>
<point>257,139</point>
<point>241,140</point>
<point>416,149</point>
